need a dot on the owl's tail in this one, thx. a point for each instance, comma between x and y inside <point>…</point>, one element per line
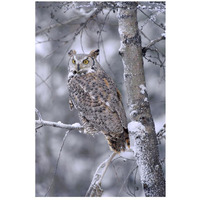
<point>119,144</point>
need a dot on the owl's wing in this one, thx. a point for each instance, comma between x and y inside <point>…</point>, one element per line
<point>98,100</point>
<point>114,100</point>
<point>120,110</point>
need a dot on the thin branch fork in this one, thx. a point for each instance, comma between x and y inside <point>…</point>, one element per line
<point>153,42</point>
<point>159,25</point>
<point>83,25</point>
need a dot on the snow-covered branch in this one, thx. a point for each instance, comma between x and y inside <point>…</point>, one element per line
<point>41,123</point>
<point>95,189</point>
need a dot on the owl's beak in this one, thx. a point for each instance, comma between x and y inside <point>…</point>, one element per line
<point>78,67</point>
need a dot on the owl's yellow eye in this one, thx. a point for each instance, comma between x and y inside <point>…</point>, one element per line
<point>73,61</point>
<point>86,61</point>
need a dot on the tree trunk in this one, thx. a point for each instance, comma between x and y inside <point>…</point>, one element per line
<point>141,127</point>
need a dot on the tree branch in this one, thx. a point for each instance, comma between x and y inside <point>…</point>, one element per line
<point>95,189</point>
<point>161,133</point>
<point>159,25</point>
<point>38,114</point>
<point>59,156</point>
<point>141,126</point>
<point>153,42</point>
<point>42,123</point>
<point>48,28</point>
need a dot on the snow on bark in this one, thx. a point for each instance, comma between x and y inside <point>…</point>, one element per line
<point>141,127</point>
<point>143,89</point>
<point>135,127</point>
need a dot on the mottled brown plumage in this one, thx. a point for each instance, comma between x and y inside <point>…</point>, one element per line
<point>94,94</point>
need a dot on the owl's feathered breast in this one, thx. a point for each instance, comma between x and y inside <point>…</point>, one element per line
<point>98,101</point>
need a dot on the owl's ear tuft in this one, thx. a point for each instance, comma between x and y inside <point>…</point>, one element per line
<point>94,53</point>
<point>71,53</point>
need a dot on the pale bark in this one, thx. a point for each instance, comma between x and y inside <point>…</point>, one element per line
<point>145,142</point>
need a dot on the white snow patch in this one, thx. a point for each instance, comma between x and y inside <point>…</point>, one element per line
<point>136,127</point>
<point>143,89</point>
<point>133,112</point>
<point>77,125</point>
<point>163,34</point>
<point>145,99</point>
<point>141,6</point>
<point>153,18</point>
<point>132,106</point>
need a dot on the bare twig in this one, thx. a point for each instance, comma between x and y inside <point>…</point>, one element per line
<point>38,114</point>
<point>145,36</point>
<point>57,25</point>
<point>150,18</point>
<point>95,189</point>
<point>75,126</point>
<point>152,42</point>
<point>161,133</point>
<point>155,41</point>
<point>101,28</point>
<point>135,188</point>
<point>126,179</point>
<point>43,81</point>
<point>52,181</point>
<point>84,25</point>
<point>81,41</point>
<point>57,66</point>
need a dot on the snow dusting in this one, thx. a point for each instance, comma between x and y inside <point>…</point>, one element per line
<point>145,99</point>
<point>143,89</point>
<point>133,112</point>
<point>163,34</point>
<point>77,125</point>
<point>136,127</point>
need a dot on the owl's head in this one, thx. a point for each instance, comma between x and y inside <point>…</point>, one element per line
<point>82,63</point>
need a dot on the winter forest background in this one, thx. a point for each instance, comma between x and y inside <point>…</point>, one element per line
<point>64,26</point>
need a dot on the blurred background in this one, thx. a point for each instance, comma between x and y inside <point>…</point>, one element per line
<point>61,26</point>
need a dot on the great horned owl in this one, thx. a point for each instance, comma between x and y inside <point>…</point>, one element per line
<point>94,94</point>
